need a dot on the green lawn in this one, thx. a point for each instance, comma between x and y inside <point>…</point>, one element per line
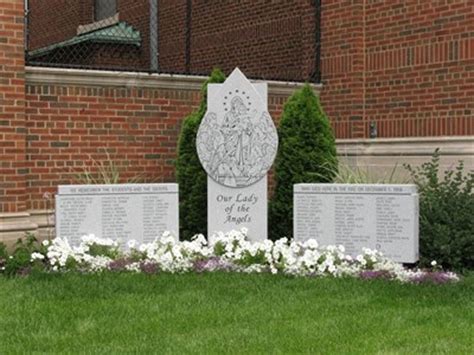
<point>232,313</point>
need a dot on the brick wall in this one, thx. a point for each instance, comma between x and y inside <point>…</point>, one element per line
<point>56,20</point>
<point>420,67</point>
<point>172,36</point>
<point>407,66</point>
<point>12,107</point>
<point>267,39</point>
<point>70,126</point>
<point>342,61</point>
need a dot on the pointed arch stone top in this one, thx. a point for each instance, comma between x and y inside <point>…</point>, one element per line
<point>237,140</point>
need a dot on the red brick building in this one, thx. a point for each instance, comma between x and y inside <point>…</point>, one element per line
<point>406,68</point>
<point>403,66</point>
<point>266,39</point>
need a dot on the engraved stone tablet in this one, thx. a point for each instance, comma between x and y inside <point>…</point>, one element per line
<point>236,144</point>
<point>379,216</point>
<point>237,140</point>
<point>126,211</point>
<point>231,208</point>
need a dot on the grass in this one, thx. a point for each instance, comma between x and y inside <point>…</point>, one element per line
<point>232,313</point>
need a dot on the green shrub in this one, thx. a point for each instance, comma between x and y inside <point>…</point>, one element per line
<point>191,177</point>
<point>19,262</point>
<point>3,256</point>
<point>104,250</point>
<point>446,215</point>
<point>306,154</point>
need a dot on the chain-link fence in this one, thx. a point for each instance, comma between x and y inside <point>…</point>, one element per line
<point>268,40</point>
<point>95,34</point>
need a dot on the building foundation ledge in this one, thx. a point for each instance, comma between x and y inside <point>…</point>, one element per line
<point>16,225</point>
<point>382,156</point>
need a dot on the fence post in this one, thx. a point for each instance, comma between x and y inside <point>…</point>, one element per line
<point>188,37</point>
<point>317,61</point>
<point>154,62</point>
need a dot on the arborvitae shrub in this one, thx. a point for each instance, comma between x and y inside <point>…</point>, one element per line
<point>191,177</point>
<point>446,215</point>
<point>306,154</point>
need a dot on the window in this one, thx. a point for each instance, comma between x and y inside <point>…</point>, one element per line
<point>104,9</point>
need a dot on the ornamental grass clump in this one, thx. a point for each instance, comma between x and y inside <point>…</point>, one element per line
<point>346,174</point>
<point>229,252</point>
<point>306,154</point>
<point>190,175</point>
<point>108,172</point>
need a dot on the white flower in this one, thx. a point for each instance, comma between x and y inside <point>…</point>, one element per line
<point>143,248</point>
<point>170,255</point>
<point>311,243</point>
<point>132,243</point>
<point>37,256</point>
<point>135,267</point>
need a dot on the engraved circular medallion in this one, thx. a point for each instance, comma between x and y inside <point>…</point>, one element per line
<point>237,146</point>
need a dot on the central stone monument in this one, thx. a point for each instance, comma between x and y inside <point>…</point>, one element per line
<point>236,144</point>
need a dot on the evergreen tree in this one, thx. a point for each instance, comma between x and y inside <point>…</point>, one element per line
<point>191,177</point>
<point>306,154</point>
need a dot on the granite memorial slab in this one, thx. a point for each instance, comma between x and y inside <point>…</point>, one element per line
<point>377,216</point>
<point>236,144</point>
<point>122,212</point>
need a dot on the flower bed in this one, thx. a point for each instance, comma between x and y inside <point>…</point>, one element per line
<point>225,252</point>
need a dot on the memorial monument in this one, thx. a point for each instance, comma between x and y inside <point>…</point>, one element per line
<point>376,216</point>
<point>124,211</point>
<point>236,144</point>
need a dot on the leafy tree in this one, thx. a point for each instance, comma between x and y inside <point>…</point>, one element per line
<point>306,154</point>
<point>191,177</point>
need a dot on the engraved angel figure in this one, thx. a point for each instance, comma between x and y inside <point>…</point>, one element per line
<point>237,130</point>
<point>210,142</point>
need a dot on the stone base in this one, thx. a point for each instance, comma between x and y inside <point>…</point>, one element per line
<point>230,208</point>
<point>14,226</point>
